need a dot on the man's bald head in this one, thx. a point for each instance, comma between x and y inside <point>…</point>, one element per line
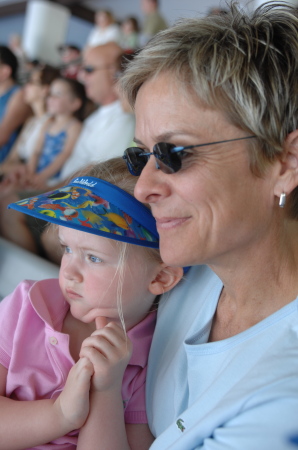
<point>99,73</point>
<point>109,53</point>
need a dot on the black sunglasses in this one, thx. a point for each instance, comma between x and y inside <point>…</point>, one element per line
<point>168,156</point>
<point>91,69</point>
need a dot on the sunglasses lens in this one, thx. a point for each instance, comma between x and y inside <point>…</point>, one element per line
<point>88,69</point>
<point>134,160</point>
<point>168,161</point>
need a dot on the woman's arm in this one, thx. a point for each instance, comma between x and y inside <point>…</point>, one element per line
<point>26,424</point>
<point>39,180</point>
<point>13,156</point>
<point>16,114</point>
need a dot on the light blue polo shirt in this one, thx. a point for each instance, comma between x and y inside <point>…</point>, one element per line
<point>240,393</point>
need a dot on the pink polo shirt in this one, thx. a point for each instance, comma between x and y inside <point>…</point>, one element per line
<point>36,352</point>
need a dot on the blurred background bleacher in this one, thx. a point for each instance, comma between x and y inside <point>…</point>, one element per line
<point>17,264</point>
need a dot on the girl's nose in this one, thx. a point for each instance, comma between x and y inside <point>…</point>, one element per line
<point>71,270</point>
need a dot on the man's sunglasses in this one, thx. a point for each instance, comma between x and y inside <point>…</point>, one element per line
<point>91,69</point>
<point>168,156</point>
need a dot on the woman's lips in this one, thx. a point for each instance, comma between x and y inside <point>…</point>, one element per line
<point>167,223</point>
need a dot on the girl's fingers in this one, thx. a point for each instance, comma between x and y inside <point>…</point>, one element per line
<point>100,322</point>
<point>110,348</point>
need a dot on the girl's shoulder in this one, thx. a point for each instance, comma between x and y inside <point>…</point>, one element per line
<point>74,125</point>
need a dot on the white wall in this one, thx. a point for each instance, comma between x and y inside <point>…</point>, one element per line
<point>45,28</point>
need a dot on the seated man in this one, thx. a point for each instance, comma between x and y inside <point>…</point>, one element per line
<point>13,109</point>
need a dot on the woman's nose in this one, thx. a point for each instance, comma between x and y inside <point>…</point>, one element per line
<point>151,185</point>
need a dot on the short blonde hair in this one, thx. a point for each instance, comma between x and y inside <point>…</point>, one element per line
<point>245,65</point>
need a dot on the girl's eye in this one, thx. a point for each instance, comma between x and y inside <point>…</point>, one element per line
<point>65,249</point>
<point>94,259</point>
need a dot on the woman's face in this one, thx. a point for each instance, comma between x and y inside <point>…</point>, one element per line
<point>214,206</point>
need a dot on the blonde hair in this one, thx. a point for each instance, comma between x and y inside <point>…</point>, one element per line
<point>243,64</point>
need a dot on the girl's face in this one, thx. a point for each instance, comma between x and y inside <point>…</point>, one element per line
<point>127,27</point>
<point>61,100</point>
<point>89,278</point>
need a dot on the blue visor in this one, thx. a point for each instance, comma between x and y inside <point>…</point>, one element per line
<point>95,206</point>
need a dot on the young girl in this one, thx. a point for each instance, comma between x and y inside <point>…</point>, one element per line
<point>36,91</point>
<point>65,360</point>
<point>58,135</point>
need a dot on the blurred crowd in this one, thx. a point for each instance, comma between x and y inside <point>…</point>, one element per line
<point>56,120</point>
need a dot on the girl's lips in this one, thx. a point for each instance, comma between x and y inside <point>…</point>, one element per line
<point>72,294</point>
<point>170,222</point>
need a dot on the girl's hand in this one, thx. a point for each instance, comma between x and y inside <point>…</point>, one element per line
<point>109,350</point>
<point>73,402</point>
<point>35,181</point>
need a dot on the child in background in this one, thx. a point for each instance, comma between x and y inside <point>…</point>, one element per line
<point>130,35</point>
<point>73,352</point>
<point>57,138</point>
<point>36,91</point>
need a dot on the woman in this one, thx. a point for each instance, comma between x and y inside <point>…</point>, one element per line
<point>13,110</point>
<point>105,29</point>
<point>216,103</point>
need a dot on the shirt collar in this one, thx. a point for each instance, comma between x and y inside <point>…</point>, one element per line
<point>141,337</point>
<point>48,301</point>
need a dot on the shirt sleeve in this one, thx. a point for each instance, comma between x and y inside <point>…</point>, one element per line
<point>10,308</point>
<point>135,405</point>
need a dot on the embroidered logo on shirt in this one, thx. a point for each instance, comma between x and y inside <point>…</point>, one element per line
<point>179,425</point>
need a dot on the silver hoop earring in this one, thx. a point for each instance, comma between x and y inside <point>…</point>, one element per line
<point>282,200</point>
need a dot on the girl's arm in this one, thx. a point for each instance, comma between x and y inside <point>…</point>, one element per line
<point>26,424</point>
<point>109,350</point>
<point>105,427</point>
<point>32,162</point>
<point>39,180</point>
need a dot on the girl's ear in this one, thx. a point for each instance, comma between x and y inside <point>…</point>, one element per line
<point>166,278</point>
<point>288,176</point>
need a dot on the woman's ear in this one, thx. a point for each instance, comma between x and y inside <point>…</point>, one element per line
<point>166,278</point>
<point>288,177</point>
